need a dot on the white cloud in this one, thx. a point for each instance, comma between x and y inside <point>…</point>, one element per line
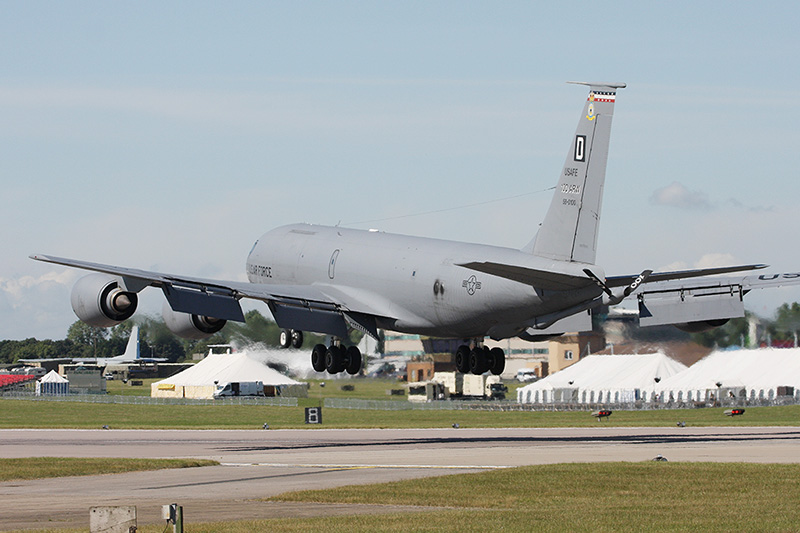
<point>677,195</point>
<point>34,306</point>
<point>17,289</point>
<point>713,260</point>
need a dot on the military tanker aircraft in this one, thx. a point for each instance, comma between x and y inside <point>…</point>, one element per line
<point>330,280</point>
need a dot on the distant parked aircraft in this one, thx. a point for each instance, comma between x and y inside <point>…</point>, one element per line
<point>132,354</point>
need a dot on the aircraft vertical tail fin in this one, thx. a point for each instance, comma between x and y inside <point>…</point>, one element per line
<point>132,348</point>
<point>570,227</point>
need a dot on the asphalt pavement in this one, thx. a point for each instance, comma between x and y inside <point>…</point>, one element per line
<point>263,463</point>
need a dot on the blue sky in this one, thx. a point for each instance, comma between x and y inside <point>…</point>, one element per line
<point>170,136</point>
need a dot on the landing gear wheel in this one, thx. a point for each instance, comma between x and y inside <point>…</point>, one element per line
<point>285,338</point>
<point>462,359</point>
<point>478,360</point>
<point>318,358</point>
<point>353,360</point>
<point>297,339</point>
<point>497,361</point>
<point>334,360</point>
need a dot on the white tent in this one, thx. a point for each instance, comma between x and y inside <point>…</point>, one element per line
<point>200,380</point>
<point>603,379</point>
<point>52,383</point>
<point>741,374</point>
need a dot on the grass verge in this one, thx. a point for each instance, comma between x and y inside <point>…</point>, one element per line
<point>565,497</point>
<point>48,467</point>
<point>602,496</point>
<point>49,415</point>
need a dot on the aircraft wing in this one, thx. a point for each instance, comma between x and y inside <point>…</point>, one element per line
<point>304,307</point>
<point>747,283</point>
<point>699,296</point>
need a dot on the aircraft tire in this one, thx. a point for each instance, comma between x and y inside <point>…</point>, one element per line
<point>334,360</point>
<point>297,339</point>
<point>285,338</point>
<point>479,360</point>
<point>353,360</point>
<point>462,359</point>
<point>318,358</point>
<point>497,360</point>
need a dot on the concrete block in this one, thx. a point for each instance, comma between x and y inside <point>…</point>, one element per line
<point>112,519</point>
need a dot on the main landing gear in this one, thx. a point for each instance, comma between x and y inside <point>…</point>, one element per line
<point>480,359</point>
<point>336,358</point>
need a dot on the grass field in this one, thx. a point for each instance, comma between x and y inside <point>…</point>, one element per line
<point>363,389</point>
<point>45,467</point>
<point>566,497</point>
<point>369,389</point>
<point>44,414</point>
<point>592,497</point>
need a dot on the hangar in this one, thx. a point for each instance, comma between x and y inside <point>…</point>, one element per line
<point>200,381</point>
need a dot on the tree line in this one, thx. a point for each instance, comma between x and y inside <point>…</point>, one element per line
<point>155,340</point>
<point>782,331</point>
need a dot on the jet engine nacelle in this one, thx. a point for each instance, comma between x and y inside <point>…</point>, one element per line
<point>190,326</point>
<point>699,327</point>
<point>101,300</point>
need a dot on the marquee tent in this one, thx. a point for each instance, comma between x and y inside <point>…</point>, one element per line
<point>52,383</point>
<point>750,375</point>
<point>200,380</point>
<point>603,379</point>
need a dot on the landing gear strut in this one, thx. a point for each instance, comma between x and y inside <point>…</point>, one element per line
<point>480,359</point>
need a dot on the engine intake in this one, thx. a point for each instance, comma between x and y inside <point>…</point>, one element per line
<point>704,325</point>
<point>101,301</point>
<point>190,326</point>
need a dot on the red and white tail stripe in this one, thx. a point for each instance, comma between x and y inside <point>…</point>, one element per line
<point>597,96</point>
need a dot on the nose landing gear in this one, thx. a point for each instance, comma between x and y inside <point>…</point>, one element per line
<point>291,337</point>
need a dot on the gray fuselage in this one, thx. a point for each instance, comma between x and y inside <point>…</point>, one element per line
<point>412,284</point>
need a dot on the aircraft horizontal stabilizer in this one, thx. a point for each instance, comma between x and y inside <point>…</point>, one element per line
<point>621,281</point>
<point>542,279</point>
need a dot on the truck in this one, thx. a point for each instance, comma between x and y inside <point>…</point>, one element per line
<point>525,375</point>
<point>239,388</point>
<point>426,391</point>
<point>470,386</point>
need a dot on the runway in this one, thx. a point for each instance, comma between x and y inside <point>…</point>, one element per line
<point>260,464</point>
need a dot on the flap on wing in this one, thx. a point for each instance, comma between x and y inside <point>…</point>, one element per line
<point>364,323</point>
<point>198,302</point>
<point>621,281</point>
<point>543,279</point>
<point>308,319</point>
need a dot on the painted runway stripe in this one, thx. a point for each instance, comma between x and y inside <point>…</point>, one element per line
<point>356,466</point>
